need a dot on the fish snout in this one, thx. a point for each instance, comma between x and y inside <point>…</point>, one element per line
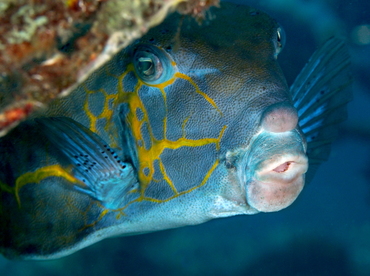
<point>276,163</point>
<point>277,182</point>
<point>280,117</point>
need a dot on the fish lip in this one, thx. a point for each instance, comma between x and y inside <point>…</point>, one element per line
<point>268,197</point>
<point>274,170</point>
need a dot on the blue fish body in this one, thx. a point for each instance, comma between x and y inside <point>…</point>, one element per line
<point>189,123</point>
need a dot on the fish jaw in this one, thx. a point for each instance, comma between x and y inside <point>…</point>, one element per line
<point>275,170</point>
<point>276,187</point>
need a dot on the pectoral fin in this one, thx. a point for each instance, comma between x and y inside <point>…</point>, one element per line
<point>107,178</point>
<point>320,94</point>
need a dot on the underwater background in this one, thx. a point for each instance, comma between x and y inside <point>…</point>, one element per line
<point>325,232</point>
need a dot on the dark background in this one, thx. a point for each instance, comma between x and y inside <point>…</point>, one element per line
<point>325,232</point>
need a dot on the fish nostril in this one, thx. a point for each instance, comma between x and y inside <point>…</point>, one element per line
<point>280,117</point>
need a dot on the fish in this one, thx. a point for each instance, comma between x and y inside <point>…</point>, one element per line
<point>190,123</point>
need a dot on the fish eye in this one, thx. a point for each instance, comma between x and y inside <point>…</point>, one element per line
<point>152,65</point>
<point>280,39</point>
<point>148,66</point>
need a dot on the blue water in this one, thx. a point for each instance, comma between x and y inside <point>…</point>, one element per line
<point>325,232</point>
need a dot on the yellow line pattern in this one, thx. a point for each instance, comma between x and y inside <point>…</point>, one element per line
<point>36,177</point>
<point>147,157</point>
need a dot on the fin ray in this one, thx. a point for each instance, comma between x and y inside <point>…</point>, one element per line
<point>107,178</point>
<point>320,93</point>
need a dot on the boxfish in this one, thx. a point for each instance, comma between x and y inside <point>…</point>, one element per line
<point>189,123</point>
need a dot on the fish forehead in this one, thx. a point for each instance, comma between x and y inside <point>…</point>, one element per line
<point>234,31</point>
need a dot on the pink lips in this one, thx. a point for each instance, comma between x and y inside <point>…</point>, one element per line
<point>277,183</point>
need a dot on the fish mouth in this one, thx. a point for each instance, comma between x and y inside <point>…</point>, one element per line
<point>275,171</point>
<point>278,183</point>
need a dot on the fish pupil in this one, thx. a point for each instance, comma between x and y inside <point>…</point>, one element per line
<point>146,66</point>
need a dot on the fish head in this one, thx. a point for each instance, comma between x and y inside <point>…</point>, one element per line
<point>214,108</point>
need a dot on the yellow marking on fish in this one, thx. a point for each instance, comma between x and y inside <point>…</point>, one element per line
<point>102,214</point>
<point>6,188</point>
<point>146,157</point>
<point>143,198</point>
<point>164,95</point>
<point>106,112</point>
<point>36,177</point>
<point>89,114</point>
<point>166,177</point>
<point>149,154</point>
<point>208,99</point>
